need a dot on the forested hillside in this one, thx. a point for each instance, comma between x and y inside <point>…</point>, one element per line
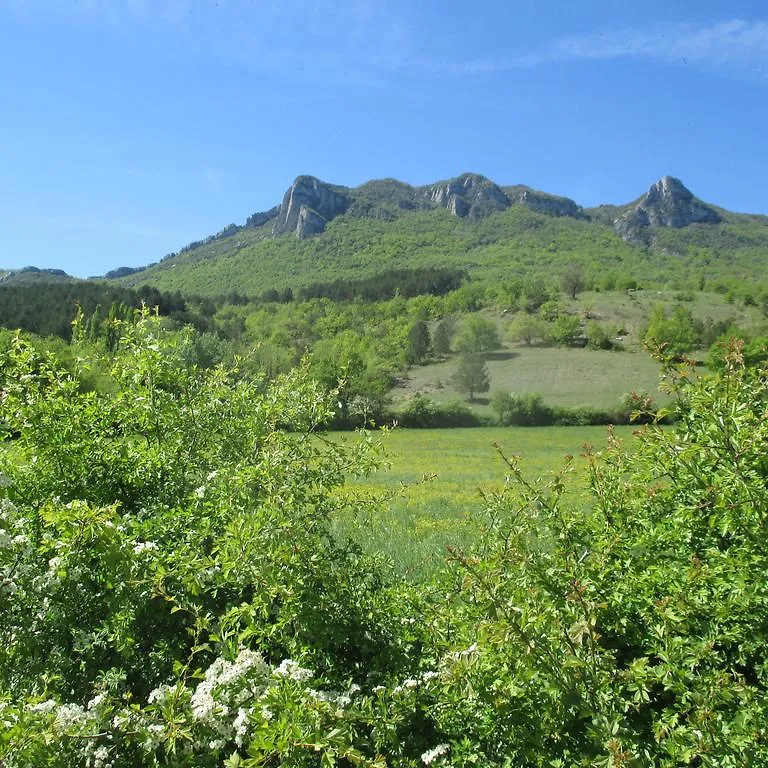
<point>325,233</point>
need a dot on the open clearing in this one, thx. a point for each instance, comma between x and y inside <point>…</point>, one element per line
<point>567,377</point>
<point>571,376</point>
<point>430,497</point>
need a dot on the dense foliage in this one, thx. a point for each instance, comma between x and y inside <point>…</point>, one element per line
<point>171,593</point>
<point>517,242</point>
<point>387,284</point>
<point>48,307</point>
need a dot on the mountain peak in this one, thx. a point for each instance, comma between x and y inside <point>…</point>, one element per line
<point>667,203</point>
<point>668,187</point>
<point>470,195</point>
<point>308,205</point>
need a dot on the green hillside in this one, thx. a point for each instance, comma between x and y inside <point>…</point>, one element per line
<point>515,241</point>
<point>491,232</point>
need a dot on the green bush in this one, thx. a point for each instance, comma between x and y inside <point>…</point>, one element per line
<point>629,633</point>
<point>171,592</point>
<point>167,573</point>
<point>420,412</point>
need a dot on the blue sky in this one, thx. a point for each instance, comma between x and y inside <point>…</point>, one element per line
<point>131,127</point>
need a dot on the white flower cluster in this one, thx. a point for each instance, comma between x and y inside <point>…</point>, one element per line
<point>100,758</point>
<point>433,754</point>
<point>222,674</point>
<point>232,698</point>
<point>162,694</point>
<point>290,669</point>
<point>8,717</point>
<point>144,546</point>
<point>70,716</point>
<point>337,699</point>
<point>44,707</point>
<point>412,682</point>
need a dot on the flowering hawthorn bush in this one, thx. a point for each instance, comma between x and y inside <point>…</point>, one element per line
<point>171,594</point>
<point>167,576</point>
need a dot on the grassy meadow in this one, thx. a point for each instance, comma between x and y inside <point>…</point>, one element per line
<point>571,377</point>
<point>430,497</point>
<point>565,377</point>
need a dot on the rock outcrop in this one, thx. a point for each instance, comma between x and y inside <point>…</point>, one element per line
<point>308,205</point>
<point>468,195</point>
<point>259,219</point>
<point>542,202</point>
<point>668,203</point>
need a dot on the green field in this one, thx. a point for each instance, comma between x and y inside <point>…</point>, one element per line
<point>571,377</point>
<point>566,377</point>
<point>430,497</point>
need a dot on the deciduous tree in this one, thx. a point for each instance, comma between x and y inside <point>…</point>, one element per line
<point>472,375</point>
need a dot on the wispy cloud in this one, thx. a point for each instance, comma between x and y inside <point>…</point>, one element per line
<point>214,178</point>
<point>364,41</point>
<point>728,45</point>
<point>350,40</point>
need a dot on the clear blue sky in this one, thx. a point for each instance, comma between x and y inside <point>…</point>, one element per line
<point>130,127</point>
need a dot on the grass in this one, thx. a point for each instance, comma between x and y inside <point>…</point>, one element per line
<point>566,377</point>
<point>632,309</point>
<point>431,496</point>
<point>569,376</point>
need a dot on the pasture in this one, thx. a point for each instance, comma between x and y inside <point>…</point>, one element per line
<point>430,497</point>
<point>571,377</point>
<point>565,377</point>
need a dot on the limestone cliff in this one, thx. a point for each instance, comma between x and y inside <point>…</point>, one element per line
<point>468,195</point>
<point>308,205</point>
<point>541,202</point>
<point>668,203</point>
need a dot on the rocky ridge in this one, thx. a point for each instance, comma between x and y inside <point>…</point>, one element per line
<point>668,203</point>
<point>309,204</point>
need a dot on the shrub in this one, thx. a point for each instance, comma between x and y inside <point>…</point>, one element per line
<point>420,412</point>
<point>632,632</point>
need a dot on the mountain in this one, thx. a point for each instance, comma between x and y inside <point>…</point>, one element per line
<point>33,276</point>
<point>668,203</point>
<point>321,231</point>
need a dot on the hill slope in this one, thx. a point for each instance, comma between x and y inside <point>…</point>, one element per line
<point>322,232</point>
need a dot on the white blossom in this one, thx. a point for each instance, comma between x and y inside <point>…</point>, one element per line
<point>203,703</point>
<point>96,701</point>
<point>219,676</point>
<point>290,669</point>
<point>432,754</point>
<point>240,725</point>
<point>161,694</point>
<point>101,757</point>
<point>53,570</point>
<point>407,684</point>
<point>69,715</point>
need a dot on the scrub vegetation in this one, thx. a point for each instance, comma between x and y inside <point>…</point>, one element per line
<point>181,581</point>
